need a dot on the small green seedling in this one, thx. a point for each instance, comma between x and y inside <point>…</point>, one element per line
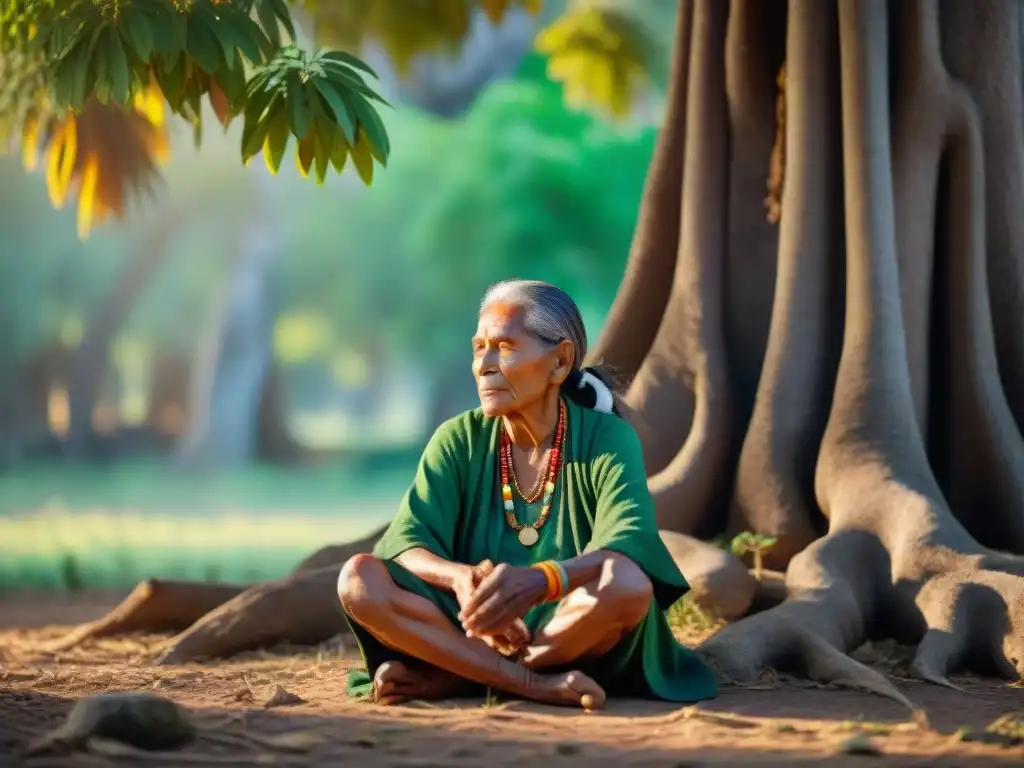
<point>753,544</point>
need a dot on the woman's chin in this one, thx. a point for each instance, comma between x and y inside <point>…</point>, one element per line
<point>495,404</point>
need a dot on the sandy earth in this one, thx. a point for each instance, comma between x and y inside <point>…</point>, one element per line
<point>777,722</point>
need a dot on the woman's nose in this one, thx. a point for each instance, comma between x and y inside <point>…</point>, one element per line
<point>487,362</point>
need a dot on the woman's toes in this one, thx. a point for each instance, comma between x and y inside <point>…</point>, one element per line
<point>591,695</point>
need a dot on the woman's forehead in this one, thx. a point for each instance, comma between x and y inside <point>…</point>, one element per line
<point>500,317</point>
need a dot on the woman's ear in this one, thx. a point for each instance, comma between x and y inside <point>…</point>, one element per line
<point>565,354</point>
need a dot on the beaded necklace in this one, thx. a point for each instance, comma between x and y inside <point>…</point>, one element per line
<point>528,534</point>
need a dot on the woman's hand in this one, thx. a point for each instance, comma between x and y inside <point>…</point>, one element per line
<point>503,595</point>
<point>510,639</point>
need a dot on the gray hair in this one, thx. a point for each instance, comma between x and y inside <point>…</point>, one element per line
<point>549,313</point>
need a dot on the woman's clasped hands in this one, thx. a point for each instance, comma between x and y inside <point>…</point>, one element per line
<point>493,600</point>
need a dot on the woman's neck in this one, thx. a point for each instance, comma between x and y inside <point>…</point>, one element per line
<point>533,427</point>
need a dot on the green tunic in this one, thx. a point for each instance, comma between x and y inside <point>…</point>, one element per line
<point>454,510</point>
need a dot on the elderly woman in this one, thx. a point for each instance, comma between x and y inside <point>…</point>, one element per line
<point>525,556</point>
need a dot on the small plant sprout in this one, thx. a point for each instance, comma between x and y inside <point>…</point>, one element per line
<point>753,544</point>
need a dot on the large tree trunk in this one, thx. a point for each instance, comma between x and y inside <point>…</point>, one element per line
<point>881,443</point>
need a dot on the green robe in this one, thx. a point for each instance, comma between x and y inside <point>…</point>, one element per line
<point>454,510</point>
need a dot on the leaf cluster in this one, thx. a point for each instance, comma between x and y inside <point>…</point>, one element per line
<point>239,55</point>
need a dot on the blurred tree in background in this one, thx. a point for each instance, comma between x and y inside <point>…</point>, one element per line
<point>130,335</point>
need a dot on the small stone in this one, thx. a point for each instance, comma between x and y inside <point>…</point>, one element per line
<point>138,719</point>
<point>860,744</point>
<point>243,694</point>
<point>567,750</point>
<point>282,698</point>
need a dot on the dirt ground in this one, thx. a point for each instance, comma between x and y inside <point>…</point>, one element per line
<point>778,722</point>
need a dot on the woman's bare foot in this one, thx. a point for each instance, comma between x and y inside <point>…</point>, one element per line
<point>572,688</point>
<point>395,682</point>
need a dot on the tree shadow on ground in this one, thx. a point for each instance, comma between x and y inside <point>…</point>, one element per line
<point>806,725</point>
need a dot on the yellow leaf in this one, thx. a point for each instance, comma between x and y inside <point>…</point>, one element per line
<point>363,158</point>
<point>149,102</point>
<point>30,141</point>
<point>339,154</point>
<point>304,155</point>
<point>60,160</point>
<point>87,199</point>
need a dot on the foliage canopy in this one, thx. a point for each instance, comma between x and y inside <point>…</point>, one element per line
<point>89,83</point>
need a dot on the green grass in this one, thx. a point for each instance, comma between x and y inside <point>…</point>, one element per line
<point>73,528</point>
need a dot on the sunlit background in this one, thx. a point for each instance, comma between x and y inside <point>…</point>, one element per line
<point>246,368</point>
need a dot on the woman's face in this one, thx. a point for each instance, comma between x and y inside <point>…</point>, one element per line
<point>513,368</point>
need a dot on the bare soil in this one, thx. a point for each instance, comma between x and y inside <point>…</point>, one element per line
<point>780,721</point>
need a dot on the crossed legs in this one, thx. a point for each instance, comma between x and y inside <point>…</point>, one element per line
<point>588,623</point>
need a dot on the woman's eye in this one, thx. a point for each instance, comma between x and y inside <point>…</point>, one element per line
<point>505,349</point>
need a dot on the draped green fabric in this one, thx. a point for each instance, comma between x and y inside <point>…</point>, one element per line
<point>454,510</point>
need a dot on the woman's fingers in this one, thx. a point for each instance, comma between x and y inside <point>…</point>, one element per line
<point>481,594</point>
<point>482,569</point>
<point>517,633</point>
<point>495,614</point>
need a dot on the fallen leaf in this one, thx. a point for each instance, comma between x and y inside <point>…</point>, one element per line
<point>282,698</point>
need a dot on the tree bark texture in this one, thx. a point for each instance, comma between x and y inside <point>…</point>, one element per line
<point>849,380</point>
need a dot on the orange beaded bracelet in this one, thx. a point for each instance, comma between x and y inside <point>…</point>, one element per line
<point>556,579</point>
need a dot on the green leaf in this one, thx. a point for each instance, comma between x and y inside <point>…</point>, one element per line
<point>323,141</point>
<point>257,124</point>
<point>380,144</point>
<point>348,80</point>
<point>347,59</point>
<point>137,33</point>
<point>172,81</point>
<point>298,107</point>
<point>91,70</point>
<point>202,46</point>
<point>277,140</point>
<point>65,72</point>
<point>249,38</point>
<point>284,15</point>
<point>338,106</point>
<point>232,82</point>
<point>117,70</point>
<point>268,20</point>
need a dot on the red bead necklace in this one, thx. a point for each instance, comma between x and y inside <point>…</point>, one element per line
<point>528,534</point>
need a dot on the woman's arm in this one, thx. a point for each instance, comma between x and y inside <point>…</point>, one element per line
<point>433,569</point>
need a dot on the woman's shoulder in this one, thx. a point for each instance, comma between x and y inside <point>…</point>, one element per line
<point>456,434</point>
<point>606,432</point>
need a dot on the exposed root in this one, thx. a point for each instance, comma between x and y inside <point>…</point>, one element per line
<point>337,554</point>
<point>772,640</point>
<point>301,609</point>
<point>975,620</point>
<point>719,582</point>
<point>157,606</point>
<point>154,606</point>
